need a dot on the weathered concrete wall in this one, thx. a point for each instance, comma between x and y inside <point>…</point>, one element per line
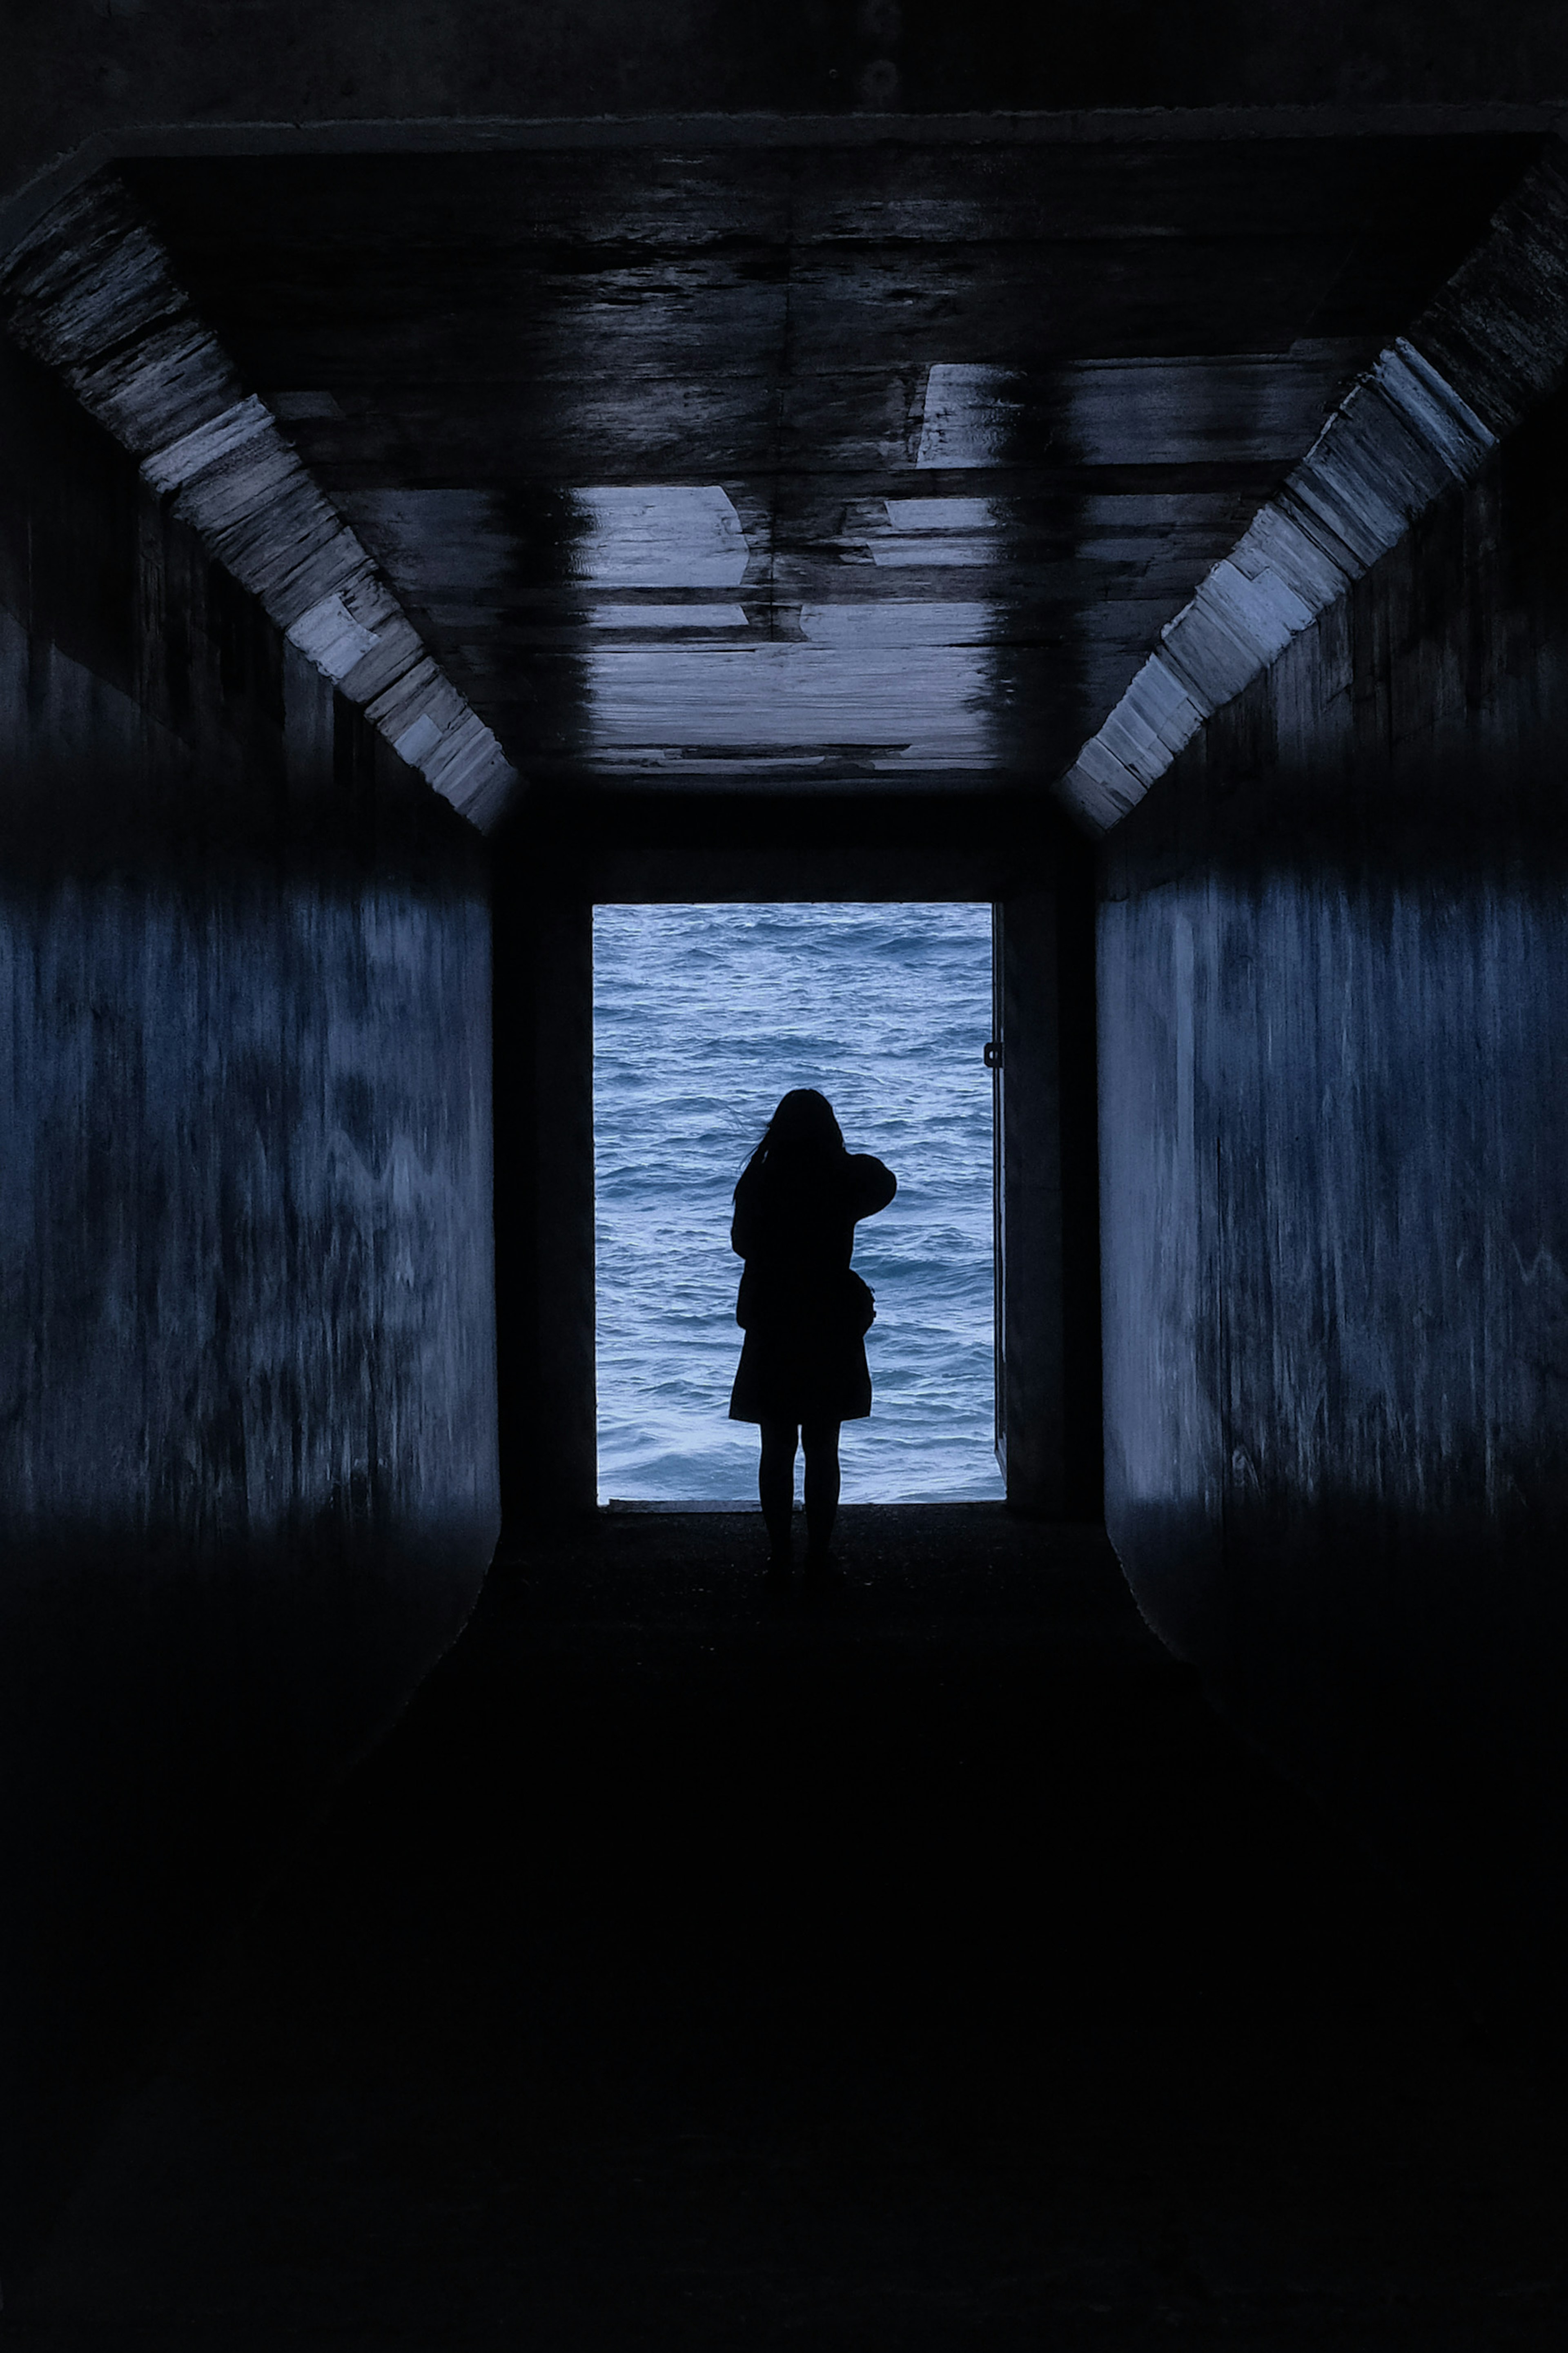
<point>247,1483</point>
<point>1047,1256</point>
<point>1334,1089</point>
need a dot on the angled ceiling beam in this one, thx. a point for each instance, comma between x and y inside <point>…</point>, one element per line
<point>1422,419</point>
<point>91,293</point>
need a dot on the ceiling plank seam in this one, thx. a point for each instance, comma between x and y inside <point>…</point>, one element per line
<point>1423,419</point>
<point>91,293</point>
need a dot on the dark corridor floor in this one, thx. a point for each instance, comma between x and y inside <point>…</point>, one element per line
<point>931,1972</point>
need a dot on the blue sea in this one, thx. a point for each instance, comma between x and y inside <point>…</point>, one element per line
<point>703,1017</point>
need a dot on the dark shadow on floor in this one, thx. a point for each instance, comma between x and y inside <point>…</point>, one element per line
<point>929,1969</point>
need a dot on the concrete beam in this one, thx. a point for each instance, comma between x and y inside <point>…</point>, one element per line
<point>91,293</point>
<point>1492,345</point>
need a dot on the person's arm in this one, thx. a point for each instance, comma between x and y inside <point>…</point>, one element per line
<point>873,1184</point>
<point>744,1225</point>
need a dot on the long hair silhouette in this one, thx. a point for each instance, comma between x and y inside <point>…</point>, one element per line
<point>803,1126</point>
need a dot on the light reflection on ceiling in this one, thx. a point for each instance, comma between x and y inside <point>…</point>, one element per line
<point>889,461</point>
<point>659,535</point>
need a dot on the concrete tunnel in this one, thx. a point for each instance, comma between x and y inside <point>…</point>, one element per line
<point>1146,518</point>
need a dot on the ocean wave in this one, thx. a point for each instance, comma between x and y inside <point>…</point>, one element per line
<point>703,1017</point>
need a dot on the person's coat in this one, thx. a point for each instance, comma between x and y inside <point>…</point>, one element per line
<point>804,1310</point>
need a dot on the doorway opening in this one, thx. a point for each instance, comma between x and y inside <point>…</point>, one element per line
<point>703,1017</point>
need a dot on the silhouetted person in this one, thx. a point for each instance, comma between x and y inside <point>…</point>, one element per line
<point>804,1311</point>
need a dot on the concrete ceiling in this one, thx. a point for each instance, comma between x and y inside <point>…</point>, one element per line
<point>812,463</point>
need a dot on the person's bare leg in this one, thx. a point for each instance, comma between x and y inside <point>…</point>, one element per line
<point>820,1440</point>
<point>776,1488</point>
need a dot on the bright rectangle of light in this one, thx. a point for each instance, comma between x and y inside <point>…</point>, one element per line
<point>793,696</point>
<point>971,416</point>
<point>941,514</point>
<point>897,621</point>
<point>659,535</point>
<point>938,553</point>
<point>944,532</point>
<point>667,617</point>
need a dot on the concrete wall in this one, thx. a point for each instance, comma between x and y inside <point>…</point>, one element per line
<point>1049,1375</point>
<point>1334,951</point>
<point>247,1484</point>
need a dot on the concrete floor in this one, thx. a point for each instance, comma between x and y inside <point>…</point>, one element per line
<point>927,1970</point>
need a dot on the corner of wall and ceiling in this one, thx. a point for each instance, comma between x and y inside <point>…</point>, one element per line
<point>89,291</point>
<point>1421,420</point>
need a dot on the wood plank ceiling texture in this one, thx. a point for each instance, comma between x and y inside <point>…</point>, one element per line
<point>802,465</point>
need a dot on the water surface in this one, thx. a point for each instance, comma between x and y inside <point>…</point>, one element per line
<point>702,1017</point>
